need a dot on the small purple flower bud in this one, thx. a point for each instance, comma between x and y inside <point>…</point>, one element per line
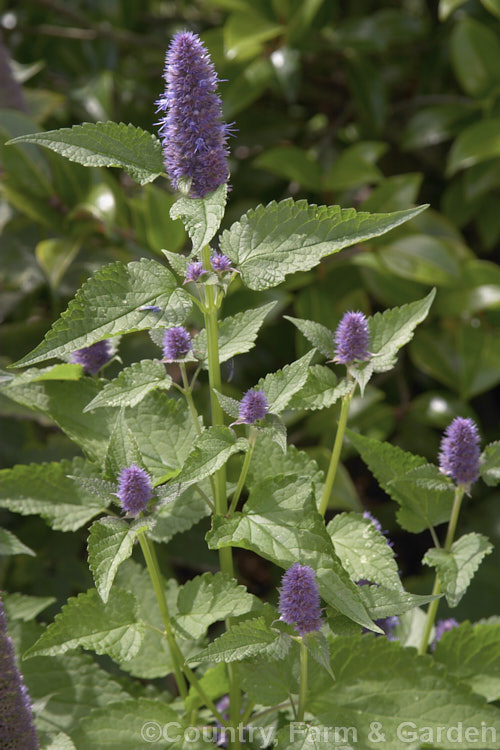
<point>176,343</point>
<point>388,624</point>
<point>93,357</point>
<point>194,271</point>
<point>17,727</point>
<point>253,406</point>
<point>352,338</point>
<point>193,138</point>
<point>459,454</point>
<point>299,602</point>
<point>442,627</point>
<point>134,489</point>
<point>220,263</point>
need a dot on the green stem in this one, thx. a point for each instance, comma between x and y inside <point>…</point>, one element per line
<point>155,575</point>
<point>244,471</point>
<point>436,590</point>
<point>337,447</point>
<point>303,681</point>
<point>189,398</point>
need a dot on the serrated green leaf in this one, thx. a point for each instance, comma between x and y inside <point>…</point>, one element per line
<point>363,550</point>
<point>379,681</point>
<point>131,725</point>
<point>275,428</point>
<point>425,496</point>
<point>211,451</point>
<point>229,405</point>
<point>383,602</point>
<point>201,216</point>
<point>23,607</point>
<point>319,335</point>
<point>317,645</point>
<point>65,371</point>
<point>110,542</point>
<point>11,545</point>
<point>271,682</point>
<point>60,741</point>
<point>180,514</point>
<point>320,390</point>
<point>122,449</point>
<point>475,144</point>
<point>206,599</point>
<point>490,464</point>
<point>132,385</point>
<point>472,653</point>
<point>215,684</point>
<point>245,640</point>
<point>281,385</point>
<point>392,329</point>
<point>110,628</point>
<point>272,241</point>
<point>105,144</point>
<point>281,523</point>
<point>236,333</point>
<point>456,568</point>
<point>107,305</point>
<point>310,736</point>
<point>47,490</point>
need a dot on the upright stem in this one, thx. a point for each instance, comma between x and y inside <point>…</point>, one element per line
<point>244,471</point>
<point>337,447</point>
<point>303,681</point>
<point>155,575</point>
<point>436,590</point>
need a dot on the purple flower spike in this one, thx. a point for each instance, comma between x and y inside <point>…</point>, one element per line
<point>193,138</point>
<point>92,358</point>
<point>176,343</point>
<point>17,728</point>
<point>253,406</point>
<point>194,271</point>
<point>442,627</point>
<point>352,338</point>
<point>299,603</point>
<point>134,489</point>
<point>388,624</point>
<point>220,263</point>
<point>459,454</point>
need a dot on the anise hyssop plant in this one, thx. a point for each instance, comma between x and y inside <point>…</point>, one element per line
<point>342,655</point>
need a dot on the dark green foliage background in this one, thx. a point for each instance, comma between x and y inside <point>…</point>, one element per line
<point>365,104</point>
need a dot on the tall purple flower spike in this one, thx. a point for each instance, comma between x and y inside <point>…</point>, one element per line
<point>134,489</point>
<point>352,339</point>
<point>194,139</point>
<point>93,357</point>
<point>299,602</point>
<point>17,728</point>
<point>459,454</point>
<point>442,627</point>
<point>253,406</point>
<point>176,343</point>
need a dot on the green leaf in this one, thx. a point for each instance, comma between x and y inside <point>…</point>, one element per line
<point>280,522</point>
<point>180,514</point>
<point>293,164</point>
<point>237,334</point>
<point>23,607</point>
<point>320,391</point>
<point>230,405</point>
<point>319,335</point>
<point>108,305</point>
<point>472,654</point>
<point>317,645</point>
<point>201,216</point>
<point>457,567</point>
<point>47,490</point>
<point>425,496</point>
<point>248,639</point>
<point>475,144</point>
<point>379,681</point>
<point>105,144</point>
<point>355,166</point>
<point>269,683</point>
<point>383,602</point>
<point>363,550</point>
<point>211,450</point>
<point>421,258</point>
<point>110,628</point>
<point>131,725</point>
<point>11,545</point>
<point>281,385</point>
<point>214,682</point>
<point>446,7</point>
<point>132,385</point>
<point>122,449</point>
<point>392,329</point>
<point>206,599</point>
<point>110,542</point>
<point>272,241</point>
<point>493,6</point>
<point>490,464</point>
<point>66,371</point>
<point>475,55</point>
